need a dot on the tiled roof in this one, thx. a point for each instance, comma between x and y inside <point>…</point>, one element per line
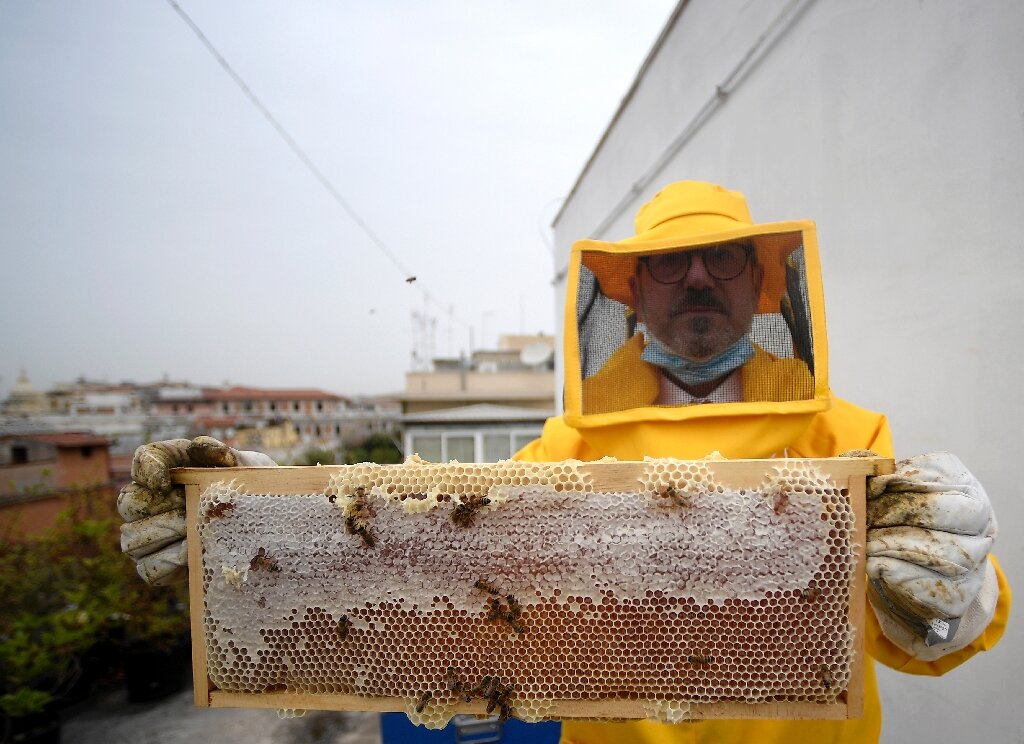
<point>71,439</point>
<point>477,414</point>
<point>216,421</point>
<point>247,393</point>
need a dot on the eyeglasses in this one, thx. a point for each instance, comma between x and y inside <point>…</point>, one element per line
<point>724,261</point>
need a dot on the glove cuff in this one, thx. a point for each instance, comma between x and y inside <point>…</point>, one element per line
<point>973,623</point>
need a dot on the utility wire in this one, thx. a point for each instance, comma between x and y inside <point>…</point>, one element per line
<point>290,141</point>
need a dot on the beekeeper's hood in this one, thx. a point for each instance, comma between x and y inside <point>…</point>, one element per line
<point>699,294</point>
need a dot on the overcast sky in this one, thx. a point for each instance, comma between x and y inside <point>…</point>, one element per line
<point>153,222</point>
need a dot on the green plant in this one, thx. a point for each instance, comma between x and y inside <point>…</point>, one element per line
<point>378,448</point>
<point>67,590</point>
<point>316,456</point>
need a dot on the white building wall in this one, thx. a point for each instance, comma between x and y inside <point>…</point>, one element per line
<point>899,127</point>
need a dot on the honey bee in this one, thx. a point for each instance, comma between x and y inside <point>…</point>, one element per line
<point>344,626</point>
<point>454,683</point>
<point>509,612</point>
<point>494,610</point>
<point>670,492</point>
<point>827,680</point>
<point>810,594</point>
<point>499,696</point>
<point>422,701</point>
<point>219,509</point>
<point>505,703</point>
<point>779,499</point>
<point>485,586</point>
<point>700,659</point>
<point>263,561</point>
<point>357,518</point>
<point>466,509</point>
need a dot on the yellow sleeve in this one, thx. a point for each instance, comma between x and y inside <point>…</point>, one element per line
<point>557,442</point>
<point>896,658</point>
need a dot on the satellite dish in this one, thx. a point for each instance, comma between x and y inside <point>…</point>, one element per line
<point>536,354</point>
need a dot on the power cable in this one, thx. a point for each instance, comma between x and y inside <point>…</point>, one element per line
<point>306,160</point>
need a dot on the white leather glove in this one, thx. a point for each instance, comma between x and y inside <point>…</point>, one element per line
<point>930,530</point>
<point>154,510</point>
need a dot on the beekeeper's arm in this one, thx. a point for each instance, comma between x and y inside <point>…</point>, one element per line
<point>153,534</point>
<point>937,595</point>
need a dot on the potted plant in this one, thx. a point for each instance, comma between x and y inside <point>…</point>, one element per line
<point>42,635</point>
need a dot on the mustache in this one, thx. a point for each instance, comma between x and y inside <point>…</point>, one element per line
<point>693,299</point>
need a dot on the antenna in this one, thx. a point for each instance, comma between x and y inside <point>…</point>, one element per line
<point>536,354</point>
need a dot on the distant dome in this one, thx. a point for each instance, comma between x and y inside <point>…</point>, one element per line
<point>23,398</point>
<point>23,387</point>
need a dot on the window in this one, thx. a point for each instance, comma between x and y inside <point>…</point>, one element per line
<point>86,451</point>
<point>496,447</point>
<point>19,454</point>
<point>521,440</point>
<point>427,446</point>
<point>460,447</point>
<point>224,407</point>
<point>319,405</point>
<point>295,406</point>
<point>273,406</point>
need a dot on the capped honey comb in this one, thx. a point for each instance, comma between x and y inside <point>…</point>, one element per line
<point>671,590</point>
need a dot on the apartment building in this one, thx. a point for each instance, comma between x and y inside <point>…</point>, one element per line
<point>482,408</point>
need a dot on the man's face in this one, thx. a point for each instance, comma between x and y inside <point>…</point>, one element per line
<point>696,314</point>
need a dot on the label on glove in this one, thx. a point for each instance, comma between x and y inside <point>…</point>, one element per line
<point>940,628</point>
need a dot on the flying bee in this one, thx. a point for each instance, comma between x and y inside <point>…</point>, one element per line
<point>343,627</point>
<point>219,509</point>
<point>422,701</point>
<point>827,680</point>
<point>263,561</point>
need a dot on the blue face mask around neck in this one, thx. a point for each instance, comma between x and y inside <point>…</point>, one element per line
<point>696,373</point>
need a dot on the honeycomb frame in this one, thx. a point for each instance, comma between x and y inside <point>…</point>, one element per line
<point>533,590</point>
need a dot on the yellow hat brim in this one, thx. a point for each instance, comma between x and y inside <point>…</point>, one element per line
<point>613,263</point>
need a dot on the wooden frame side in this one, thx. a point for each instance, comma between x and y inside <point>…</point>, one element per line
<point>857,486</point>
<point>196,601</point>
<point>586,709</point>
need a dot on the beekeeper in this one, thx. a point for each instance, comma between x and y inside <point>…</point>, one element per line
<point>706,332</point>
